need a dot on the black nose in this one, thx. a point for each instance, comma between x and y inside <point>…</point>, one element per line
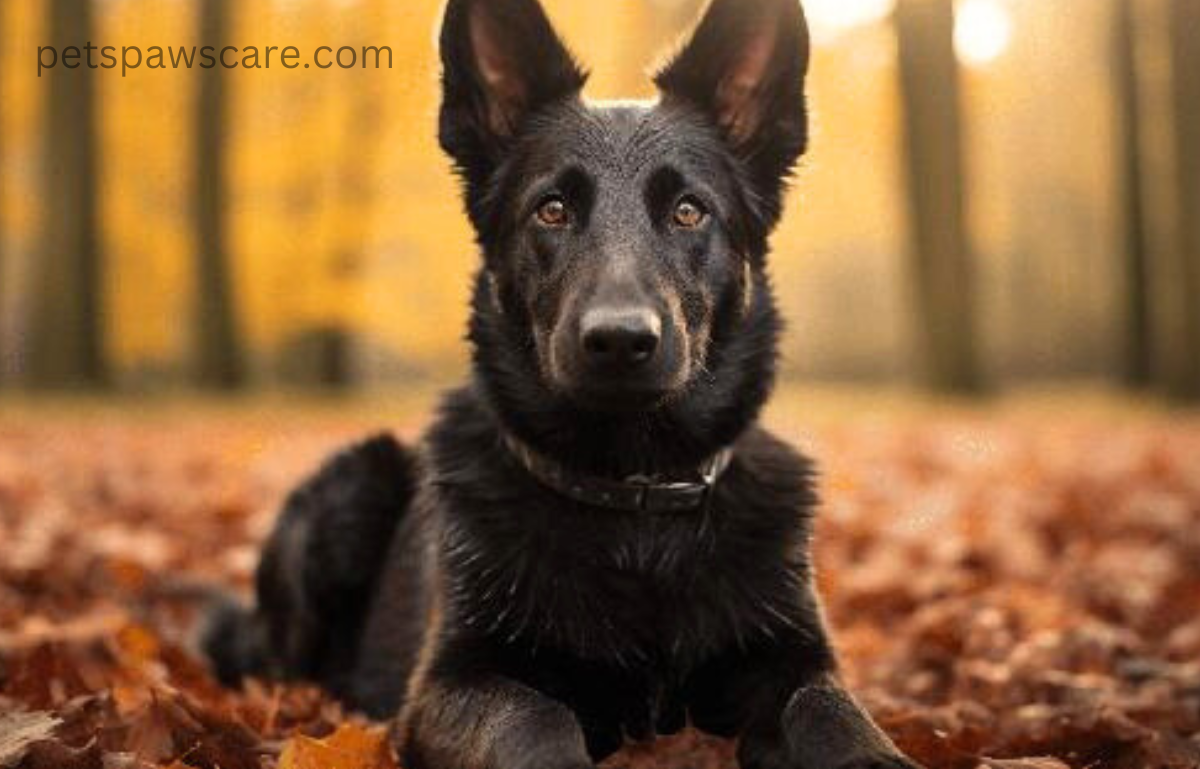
<point>620,340</point>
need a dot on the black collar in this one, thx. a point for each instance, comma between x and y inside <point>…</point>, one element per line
<point>635,494</point>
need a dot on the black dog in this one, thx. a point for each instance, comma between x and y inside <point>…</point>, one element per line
<point>595,542</point>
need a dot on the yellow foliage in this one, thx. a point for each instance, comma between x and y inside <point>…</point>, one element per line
<point>343,211</point>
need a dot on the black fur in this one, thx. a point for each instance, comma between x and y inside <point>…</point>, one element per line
<point>318,571</point>
<point>501,624</point>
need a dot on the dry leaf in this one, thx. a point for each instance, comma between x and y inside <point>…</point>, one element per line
<point>350,747</point>
<point>20,730</point>
<point>998,586</point>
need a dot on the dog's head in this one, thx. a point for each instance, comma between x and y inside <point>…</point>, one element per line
<point>623,240</point>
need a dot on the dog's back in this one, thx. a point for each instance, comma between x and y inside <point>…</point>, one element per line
<point>318,571</point>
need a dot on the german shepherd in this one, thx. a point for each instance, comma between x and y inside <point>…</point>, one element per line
<point>595,542</point>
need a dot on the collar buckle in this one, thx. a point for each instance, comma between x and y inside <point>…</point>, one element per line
<point>636,494</point>
<point>674,497</point>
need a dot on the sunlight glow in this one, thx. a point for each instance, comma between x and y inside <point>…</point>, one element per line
<point>830,19</point>
<point>982,31</point>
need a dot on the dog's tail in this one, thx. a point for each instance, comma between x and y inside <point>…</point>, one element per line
<point>318,571</point>
<point>229,634</point>
<point>233,638</point>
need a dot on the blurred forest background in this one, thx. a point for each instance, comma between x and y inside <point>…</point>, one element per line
<point>998,191</point>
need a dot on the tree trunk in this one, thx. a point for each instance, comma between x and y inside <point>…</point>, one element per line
<point>1138,353</point>
<point>938,242</point>
<point>1180,340</point>
<point>66,330</point>
<point>220,362</point>
<point>321,355</point>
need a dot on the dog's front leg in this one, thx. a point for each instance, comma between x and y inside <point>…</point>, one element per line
<point>783,701</point>
<point>820,726</point>
<point>489,722</point>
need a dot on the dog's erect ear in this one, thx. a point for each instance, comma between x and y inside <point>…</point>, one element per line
<point>745,66</point>
<point>501,61</point>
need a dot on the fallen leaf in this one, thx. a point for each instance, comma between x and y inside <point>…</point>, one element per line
<point>997,586</point>
<point>1023,763</point>
<point>51,754</point>
<point>350,747</point>
<point>20,730</point>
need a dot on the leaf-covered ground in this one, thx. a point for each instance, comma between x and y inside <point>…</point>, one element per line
<point>1009,588</point>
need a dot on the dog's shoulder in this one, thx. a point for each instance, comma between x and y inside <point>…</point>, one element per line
<point>465,458</point>
<point>769,480</point>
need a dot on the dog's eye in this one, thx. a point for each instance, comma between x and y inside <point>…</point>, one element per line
<point>690,214</point>
<point>553,212</point>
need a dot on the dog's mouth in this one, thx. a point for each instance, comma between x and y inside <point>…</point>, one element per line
<point>620,397</point>
<point>623,359</point>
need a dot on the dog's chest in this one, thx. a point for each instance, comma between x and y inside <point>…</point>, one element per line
<point>627,590</point>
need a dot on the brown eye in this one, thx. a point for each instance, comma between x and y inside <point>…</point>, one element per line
<point>689,214</point>
<point>553,212</point>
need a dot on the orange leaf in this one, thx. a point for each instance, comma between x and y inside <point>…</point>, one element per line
<point>138,643</point>
<point>350,747</point>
